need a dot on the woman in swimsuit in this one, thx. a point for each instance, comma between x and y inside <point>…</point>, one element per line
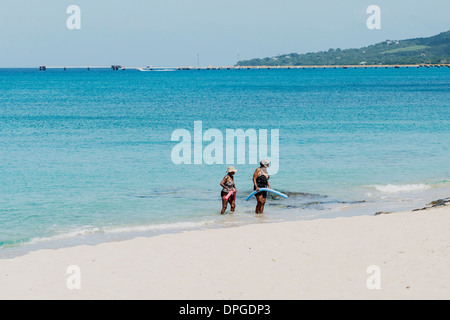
<point>228,185</point>
<point>261,180</point>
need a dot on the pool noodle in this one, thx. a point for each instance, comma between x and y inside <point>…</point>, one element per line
<point>230,194</point>
<point>267,190</point>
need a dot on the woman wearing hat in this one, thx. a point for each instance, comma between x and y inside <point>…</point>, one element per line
<point>261,180</point>
<point>228,185</point>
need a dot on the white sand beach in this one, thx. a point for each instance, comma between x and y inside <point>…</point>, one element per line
<point>317,259</point>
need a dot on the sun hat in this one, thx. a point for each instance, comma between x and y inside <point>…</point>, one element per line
<point>265,163</point>
<point>231,169</point>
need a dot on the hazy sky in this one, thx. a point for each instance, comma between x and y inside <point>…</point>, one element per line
<point>173,32</point>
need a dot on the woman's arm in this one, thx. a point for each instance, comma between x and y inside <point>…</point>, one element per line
<point>222,184</point>
<point>255,176</point>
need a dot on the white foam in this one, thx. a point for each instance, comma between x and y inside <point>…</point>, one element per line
<point>156,227</point>
<point>117,230</point>
<point>392,188</point>
<point>66,235</point>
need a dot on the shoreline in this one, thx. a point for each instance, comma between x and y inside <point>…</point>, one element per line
<point>308,259</point>
<point>93,236</point>
<point>235,67</point>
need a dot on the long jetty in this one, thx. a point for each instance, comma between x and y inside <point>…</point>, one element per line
<point>187,68</point>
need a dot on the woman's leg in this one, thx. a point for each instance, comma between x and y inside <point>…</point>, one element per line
<point>260,204</point>
<point>232,202</point>
<point>224,204</point>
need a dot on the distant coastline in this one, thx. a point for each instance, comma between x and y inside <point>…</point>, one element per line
<point>418,51</point>
<point>243,67</point>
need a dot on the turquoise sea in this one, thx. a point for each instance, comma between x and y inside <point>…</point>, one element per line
<point>85,156</point>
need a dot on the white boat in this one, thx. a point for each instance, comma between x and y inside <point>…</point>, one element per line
<point>150,68</point>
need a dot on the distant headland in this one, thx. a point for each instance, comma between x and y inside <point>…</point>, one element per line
<point>418,51</point>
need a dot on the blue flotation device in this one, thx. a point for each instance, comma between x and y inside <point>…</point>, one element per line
<point>267,190</point>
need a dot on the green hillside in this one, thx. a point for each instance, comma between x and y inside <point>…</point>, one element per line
<point>431,50</point>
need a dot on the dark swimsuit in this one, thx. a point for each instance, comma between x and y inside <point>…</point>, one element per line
<point>262,181</point>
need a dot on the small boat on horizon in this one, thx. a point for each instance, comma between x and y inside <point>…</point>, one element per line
<point>157,69</point>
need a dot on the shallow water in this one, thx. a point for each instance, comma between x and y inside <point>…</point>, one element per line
<point>86,155</point>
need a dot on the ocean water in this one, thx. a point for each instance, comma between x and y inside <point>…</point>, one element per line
<point>86,156</point>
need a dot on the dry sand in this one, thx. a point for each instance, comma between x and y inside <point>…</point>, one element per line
<point>318,259</point>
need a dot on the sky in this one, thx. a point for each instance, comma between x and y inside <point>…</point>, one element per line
<point>180,33</point>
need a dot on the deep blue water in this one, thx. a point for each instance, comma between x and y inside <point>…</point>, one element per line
<point>85,156</point>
